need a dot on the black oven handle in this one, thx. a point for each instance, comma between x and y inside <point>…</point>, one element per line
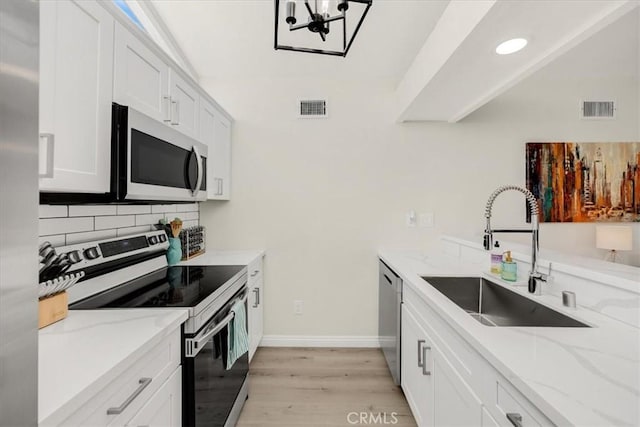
<point>195,344</point>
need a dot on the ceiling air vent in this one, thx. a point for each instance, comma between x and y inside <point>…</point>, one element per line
<point>598,109</point>
<point>312,108</point>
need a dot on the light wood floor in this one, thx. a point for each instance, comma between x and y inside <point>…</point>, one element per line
<point>320,387</point>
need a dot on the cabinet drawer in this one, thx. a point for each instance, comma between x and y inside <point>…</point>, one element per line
<point>514,408</point>
<point>254,270</point>
<point>128,392</point>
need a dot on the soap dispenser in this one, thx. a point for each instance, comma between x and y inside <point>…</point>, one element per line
<point>509,268</point>
<point>496,259</point>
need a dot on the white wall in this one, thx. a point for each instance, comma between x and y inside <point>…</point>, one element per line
<point>322,195</point>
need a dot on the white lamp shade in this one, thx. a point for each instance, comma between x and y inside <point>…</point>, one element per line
<point>614,237</point>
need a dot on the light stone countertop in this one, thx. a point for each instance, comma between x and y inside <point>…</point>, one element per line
<point>218,257</point>
<point>81,354</point>
<point>575,376</point>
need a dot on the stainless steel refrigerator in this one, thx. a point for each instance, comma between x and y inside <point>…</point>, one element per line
<point>19,34</point>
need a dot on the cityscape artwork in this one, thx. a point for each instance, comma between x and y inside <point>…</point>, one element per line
<point>585,182</point>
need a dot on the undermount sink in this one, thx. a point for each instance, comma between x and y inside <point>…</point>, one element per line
<point>493,305</point>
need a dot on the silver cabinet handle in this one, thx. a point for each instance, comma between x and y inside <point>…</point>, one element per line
<point>220,188</point>
<point>424,360</point>
<point>144,383</point>
<point>47,146</point>
<point>420,354</point>
<point>175,118</point>
<point>257,292</point>
<point>515,418</point>
<point>167,108</point>
<point>255,272</point>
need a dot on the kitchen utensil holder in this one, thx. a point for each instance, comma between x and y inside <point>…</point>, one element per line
<point>193,241</point>
<point>52,309</point>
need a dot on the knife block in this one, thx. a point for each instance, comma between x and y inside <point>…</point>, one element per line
<point>52,309</point>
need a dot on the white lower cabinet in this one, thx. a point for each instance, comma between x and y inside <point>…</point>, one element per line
<point>256,308</point>
<point>164,408</point>
<point>435,392</point>
<point>447,383</point>
<point>146,392</point>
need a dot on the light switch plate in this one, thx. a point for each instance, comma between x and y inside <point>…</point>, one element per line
<point>426,220</point>
<point>411,219</point>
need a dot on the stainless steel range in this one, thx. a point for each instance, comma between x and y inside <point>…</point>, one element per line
<point>131,272</point>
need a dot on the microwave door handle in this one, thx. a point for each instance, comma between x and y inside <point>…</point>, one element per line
<point>199,166</point>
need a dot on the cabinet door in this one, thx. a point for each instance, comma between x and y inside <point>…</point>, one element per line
<point>141,79</point>
<point>455,404</point>
<point>256,317</point>
<point>76,76</point>
<point>222,157</point>
<point>206,135</point>
<point>164,408</point>
<point>256,308</point>
<point>415,377</point>
<point>185,102</point>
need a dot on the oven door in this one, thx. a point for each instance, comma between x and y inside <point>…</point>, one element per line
<point>156,162</point>
<point>212,394</point>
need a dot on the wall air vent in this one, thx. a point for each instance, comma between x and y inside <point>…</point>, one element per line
<point>598,109</point>
<point>312,108</point>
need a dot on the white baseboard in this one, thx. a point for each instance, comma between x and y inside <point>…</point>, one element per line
<point>320,341</point>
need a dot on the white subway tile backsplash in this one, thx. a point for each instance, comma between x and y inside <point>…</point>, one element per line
<point>187,224</point>
<point>163,208</point>
<point>74,238</point>
<point>55,240</point>
<point>134,209</point>
<point>65,225</point>
<point>104,222</point>
<point>189,216</point>
<point>50,226</point>
<point>92,210</point>
<point>148,219</point>
<point>189,207</point>
<point>134,230</point>
<point>53,211</point>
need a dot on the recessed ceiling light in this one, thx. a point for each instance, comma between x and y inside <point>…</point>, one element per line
<point>511,46</point>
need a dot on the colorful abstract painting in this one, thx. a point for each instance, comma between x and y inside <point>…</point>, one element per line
<point>585,182</point>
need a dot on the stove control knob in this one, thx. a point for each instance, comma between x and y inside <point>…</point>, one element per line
<point>91,253</point>
<point>74,257</point>
<point>153,240</point>
<point>163,237</point>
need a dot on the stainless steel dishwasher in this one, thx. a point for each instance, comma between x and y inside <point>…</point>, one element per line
<point>389,312</point>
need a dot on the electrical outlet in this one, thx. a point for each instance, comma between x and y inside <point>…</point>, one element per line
<point>426,220</point>
<point>297,307</point>
<point>411,218</point>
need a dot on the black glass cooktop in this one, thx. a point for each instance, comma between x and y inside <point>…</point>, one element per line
<point>178,286</point>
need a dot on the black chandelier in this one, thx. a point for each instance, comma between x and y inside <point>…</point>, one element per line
<point>318,22</point>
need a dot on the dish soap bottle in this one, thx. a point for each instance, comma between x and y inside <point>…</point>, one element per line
<point>496,259</point>
<point>509,268</point>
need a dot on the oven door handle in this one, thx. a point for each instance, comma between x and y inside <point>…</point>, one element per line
<point>193,345</point>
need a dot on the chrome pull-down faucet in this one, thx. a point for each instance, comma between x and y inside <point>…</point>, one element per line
<point>534,275</point>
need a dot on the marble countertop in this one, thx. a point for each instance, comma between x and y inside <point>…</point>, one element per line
<point>575,376</point>
<point>240,257</point>
<point>79,355</point>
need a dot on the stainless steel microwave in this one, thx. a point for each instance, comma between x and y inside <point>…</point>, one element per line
<point>153,162</point>
<point>150,162</point>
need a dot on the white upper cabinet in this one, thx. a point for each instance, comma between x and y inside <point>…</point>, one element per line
<point>76,75</point>
<point>185,101</point>
<point>215,131</point>
<point>146,83</point>
<point>141,78</point>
